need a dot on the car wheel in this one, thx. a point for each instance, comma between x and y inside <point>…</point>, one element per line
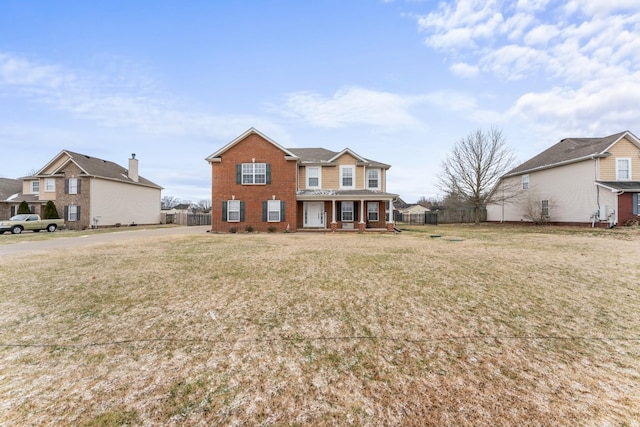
<point>51,228</point>
<point>16,230</point>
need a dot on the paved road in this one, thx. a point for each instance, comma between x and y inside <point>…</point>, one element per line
<point>69,240</point>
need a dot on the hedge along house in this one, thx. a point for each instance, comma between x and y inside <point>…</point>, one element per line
<point>594,181</point>
<point>91,192</point>
<point>258,184</point>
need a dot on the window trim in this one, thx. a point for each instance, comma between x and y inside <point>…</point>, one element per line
<point>49,185</point>
<point>319,177</point>
<point>525,182</point>
<point>233,203</point>
<point>378,173</point>
<point>73,189</point>
<point>351,168</point>
<point>628,162</point>
<point>35,183</point>
<point>375,211</point>
<point>545,208</point>
<point>343,211</point>
<point>253,174</point>
<point>270,210</point>
<point>75,213</point>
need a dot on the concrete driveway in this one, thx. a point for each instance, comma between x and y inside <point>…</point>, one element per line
<point>68,239</point>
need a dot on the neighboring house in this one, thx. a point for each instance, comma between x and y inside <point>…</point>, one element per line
<point>592,181</point>
<point>259,184</point>
<point>91,192</point>
<point>10,192</point>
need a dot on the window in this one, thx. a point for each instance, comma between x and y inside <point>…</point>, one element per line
<point>525,182</point>
<point>72,212</point>
<point>254,173</point>
<point>313,177</point>
<point>273,210</point>
<point>373,210</point>
<point>347,211</point>
<point>373,178</point>
<point>544,208</point>
<point>35,187</point>
<point>49,185</point>
<point>233,211</point>
<point>346,177</point>
<point>623,169</point>
<point>73,186</point>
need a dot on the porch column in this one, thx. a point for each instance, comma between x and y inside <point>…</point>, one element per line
<point>362,225</point>
<point>334,224</point>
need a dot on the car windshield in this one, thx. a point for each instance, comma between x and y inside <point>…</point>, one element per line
<point>21,217</point>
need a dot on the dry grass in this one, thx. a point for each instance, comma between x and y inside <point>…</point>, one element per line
<point>482,326</point>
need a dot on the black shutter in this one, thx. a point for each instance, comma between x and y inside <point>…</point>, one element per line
<point>355,211</point>
<point>66,213</point>
<point>241,211</point>
<point>265,209</point>
<point>268,178</point>
<point>634,200</point>
<point>339,211</point>
<point>79,181</point>
<point>77,213</point>
<point>66,186</point>
<point>239,173</point>
<point>224,211</point>
<point>282,210</point>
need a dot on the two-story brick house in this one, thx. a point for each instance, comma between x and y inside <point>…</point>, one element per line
<point>92,192</point>
<point>593,181</point>
<point>258,184</point>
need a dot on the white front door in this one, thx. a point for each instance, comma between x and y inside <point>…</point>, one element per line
<point>314,214</point>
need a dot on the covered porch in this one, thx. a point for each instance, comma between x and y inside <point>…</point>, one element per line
<point>344,210</point>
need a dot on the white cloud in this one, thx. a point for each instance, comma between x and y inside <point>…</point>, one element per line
<point>541,35</point>
<point>350,106</point>
<point>464,70</point>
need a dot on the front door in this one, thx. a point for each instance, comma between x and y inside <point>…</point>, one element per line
<point>314,214</point>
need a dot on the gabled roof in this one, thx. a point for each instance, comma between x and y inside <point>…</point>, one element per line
<point>322,155</point>
<point>215,157</point>
<point>570,150</point>
<point>9,187</point>
<point>93,166</point>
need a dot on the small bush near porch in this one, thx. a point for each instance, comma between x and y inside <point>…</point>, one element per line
<point>466,325</point>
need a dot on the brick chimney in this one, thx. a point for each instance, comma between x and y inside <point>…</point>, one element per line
<point>133,168</point>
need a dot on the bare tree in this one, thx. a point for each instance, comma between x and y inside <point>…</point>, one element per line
<point>169,202</point>
<point>204,205</point>
<point>474,167</point>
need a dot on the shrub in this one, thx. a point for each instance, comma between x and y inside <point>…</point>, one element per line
<point>23,208</point>
<point>249,229</point>
<point>50,211</point>
<point>233,230</point>
<point>271,229</point>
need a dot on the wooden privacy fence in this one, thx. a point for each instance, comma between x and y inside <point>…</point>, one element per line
<point>184,218</point>
<point>445,216</point>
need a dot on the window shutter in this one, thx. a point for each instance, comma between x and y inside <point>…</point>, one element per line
<point>282,210</point>
<point>355,211</point>
<point>241,211</point>
<point>239,173</point>
<point>635,203</point>
<point>79,181</point>
<point>77,213</point>
<point>66,213</point>
<point>224,211</point>
<point>268,173</point>
<point>265,208</point>
<point>339,211</point>
<point>66,186</point>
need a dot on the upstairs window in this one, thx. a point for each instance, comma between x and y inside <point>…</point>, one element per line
<point>373,178</point>
<point>253,173</point>
<point>72,186</point>
<point>623,169</point>
<point>35,187</point>
<point>313,177</point>
<point>49,185</point>
<point>525,182</point>
<point>346,177</point>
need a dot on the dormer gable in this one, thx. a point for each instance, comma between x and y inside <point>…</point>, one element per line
<point>216,157</point>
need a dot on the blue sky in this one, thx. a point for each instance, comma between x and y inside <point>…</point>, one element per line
<point>395,81</point>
